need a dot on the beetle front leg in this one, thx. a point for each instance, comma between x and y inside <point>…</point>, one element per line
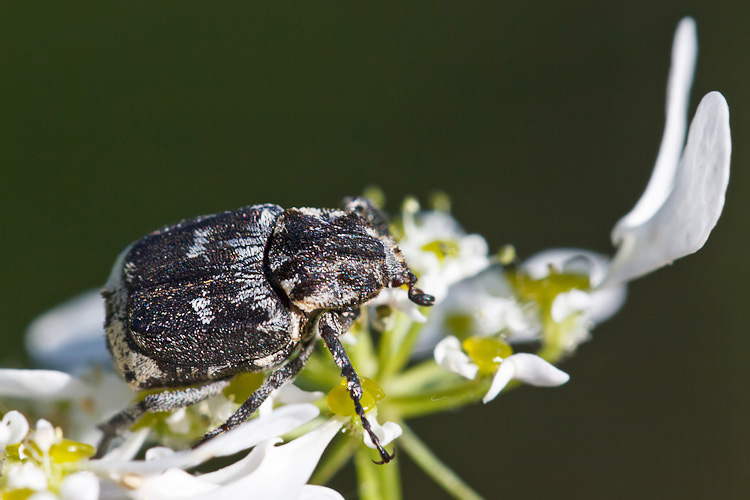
<point>331,325</point>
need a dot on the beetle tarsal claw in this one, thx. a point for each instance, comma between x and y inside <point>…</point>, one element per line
<point>385,456</point>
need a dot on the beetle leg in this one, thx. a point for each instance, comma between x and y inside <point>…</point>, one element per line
<point>276,379</point>
<point>162,401</point>
<point>330,327</point>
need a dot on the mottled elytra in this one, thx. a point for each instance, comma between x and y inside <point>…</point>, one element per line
<point>196,303</point>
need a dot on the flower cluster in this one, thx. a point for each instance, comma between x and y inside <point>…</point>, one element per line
<point>497,322</point>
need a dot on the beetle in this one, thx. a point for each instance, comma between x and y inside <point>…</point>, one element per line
<point>195,303</point>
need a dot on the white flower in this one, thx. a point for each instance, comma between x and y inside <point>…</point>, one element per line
<point>685,195</point>
<point>439,251</point>
<point>599,304</point>
<point>528,368</point>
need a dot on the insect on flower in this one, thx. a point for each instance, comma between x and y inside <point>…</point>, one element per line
<point>198,302</point>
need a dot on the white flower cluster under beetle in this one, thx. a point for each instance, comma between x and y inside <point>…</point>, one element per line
<point>245,291</point>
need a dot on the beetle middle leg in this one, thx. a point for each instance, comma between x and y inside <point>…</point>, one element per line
<point>330,326</point>
<point>162,401</point>
<point>276,379</point>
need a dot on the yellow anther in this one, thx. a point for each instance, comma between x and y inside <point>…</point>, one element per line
<point>340,402</point>
<point>545,290</point>
<point>18,494</point>
<point>487,353</point>
<point>441,248</point>
<point>70,451</point>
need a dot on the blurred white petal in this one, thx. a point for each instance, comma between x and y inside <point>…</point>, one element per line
<point>71,335</point>
<point>26,475</point>
<point>528,368</point>
<point>44,435</point>
<point>315,492</point>
<point>40,384</point>
<point>291,394</point>
<point>449,355</point>
<point>682,224</point>
<point>398,298</point>
<point>13,428</point>
<point>128,449</point>
<point>567,303</point>
<point>245,436</point>
<point>80,486</point>
<point>43,495</point>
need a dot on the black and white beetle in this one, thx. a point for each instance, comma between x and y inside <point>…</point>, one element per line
<point>245,291</point>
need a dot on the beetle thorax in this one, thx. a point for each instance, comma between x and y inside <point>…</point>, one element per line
<point>331,259</point>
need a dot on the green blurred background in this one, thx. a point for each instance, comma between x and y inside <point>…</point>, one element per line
<point>541,121</point>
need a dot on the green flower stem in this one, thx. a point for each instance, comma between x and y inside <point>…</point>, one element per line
<point>454,396</point>
<point>390,344</point>
<point>404,351</point>
<point>425,376</point>
<point>433,467</point>
<point>337,455</point>
<point>376,482</point>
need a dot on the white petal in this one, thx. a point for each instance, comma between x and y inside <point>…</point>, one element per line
<point>684,51</point>
<point>281,472</point>
<point>528,368</point>
<point>44,435</point>
<point>40,384</point>
<point>683,223</point>
<point>43,495</point>
<point>128,449</point>
<point>173,484</point>
<point>291,394</point>
<point>158,453</point>
<point>385,433</point>
<point>398,298</point>
<point>80,486</point>
<point>449,355</point>
<point>281,421</point>
<point>315,492</point>
<point>71,335</point>
<point>13,429</point>
<point>26,475</point>
<point>567,303</point>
